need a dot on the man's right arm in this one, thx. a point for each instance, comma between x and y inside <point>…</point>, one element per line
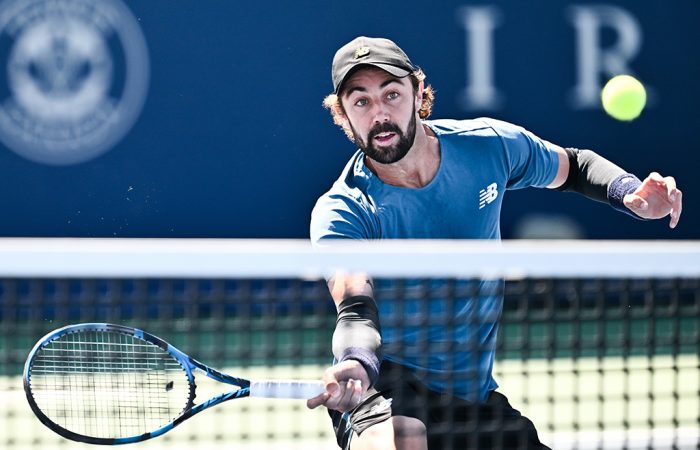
<point>338,216</point>
<point>356,343</point>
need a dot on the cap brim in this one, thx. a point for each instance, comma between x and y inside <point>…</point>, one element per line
<point>399,72</point>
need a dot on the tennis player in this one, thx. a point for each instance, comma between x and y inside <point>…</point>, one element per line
<point>415,178</point>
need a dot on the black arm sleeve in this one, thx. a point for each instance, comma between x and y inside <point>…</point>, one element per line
<point>357,334</point>
<point>589,174</point>
<point>599,179</point>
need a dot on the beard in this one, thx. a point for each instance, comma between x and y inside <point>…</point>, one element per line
<point>395,153</point>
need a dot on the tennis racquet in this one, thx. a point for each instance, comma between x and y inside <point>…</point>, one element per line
<point>110,384</point>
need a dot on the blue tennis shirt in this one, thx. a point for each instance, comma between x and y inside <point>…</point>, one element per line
<point>453,348</point>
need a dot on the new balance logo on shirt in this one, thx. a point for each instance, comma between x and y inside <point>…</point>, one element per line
<point>488,195</point>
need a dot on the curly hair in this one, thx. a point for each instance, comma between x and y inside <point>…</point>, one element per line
<point>332,102</point>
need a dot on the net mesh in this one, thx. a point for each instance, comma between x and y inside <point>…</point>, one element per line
<point>601,353</point>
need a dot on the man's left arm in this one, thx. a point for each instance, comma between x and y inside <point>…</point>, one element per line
<point>593,176</point>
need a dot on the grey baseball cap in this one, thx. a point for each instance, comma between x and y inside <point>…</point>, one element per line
<point>378,52</point>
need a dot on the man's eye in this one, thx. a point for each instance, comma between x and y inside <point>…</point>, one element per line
<point>361,102</point>
<point>392,95</point>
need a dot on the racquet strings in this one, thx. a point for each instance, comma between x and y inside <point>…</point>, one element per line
<point>107,384</point>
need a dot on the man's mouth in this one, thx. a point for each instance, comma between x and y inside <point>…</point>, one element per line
<point>384,138</point>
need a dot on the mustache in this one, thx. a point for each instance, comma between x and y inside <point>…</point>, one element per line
<point>386,127</point>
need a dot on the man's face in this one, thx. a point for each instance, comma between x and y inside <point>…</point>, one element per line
<point>381,112</point>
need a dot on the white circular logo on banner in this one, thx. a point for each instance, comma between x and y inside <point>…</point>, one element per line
<point>76,77</point>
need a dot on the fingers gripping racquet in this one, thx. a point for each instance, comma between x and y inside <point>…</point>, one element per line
<point>111,384</point>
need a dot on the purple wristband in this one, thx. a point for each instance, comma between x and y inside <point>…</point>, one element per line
<point>618,188</point>
<point>365,357</point>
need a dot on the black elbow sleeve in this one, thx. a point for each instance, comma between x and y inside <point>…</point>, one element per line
<point>589,174</point>
<point>598,179</point>
<point>357,333</point>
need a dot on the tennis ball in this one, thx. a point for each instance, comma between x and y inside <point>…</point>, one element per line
<point>624,97</point>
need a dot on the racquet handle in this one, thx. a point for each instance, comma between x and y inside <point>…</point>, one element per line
<point>286,389</point>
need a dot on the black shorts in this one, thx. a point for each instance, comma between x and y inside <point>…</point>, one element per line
<point>451,423</point>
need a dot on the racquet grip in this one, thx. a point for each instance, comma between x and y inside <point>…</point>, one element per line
<point>286,389</point>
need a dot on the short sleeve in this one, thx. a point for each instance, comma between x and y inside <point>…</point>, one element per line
<point>337,216</point>
<point>532,161</point>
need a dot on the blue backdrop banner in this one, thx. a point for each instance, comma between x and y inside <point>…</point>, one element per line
<point>204,119</point>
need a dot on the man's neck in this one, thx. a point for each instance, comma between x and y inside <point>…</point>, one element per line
<point>417,168</point>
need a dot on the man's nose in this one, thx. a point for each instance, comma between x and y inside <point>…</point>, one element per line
<point>381,113</point>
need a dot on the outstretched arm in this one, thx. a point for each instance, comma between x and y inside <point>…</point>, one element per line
<point>595,177</point>
<point>356,343</point>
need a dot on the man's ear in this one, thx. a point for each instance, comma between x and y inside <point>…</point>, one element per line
<point>343,121</point>
<point>419,95</point>
<point>340,118</point>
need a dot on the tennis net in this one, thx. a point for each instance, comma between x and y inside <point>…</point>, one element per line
<point>598,341</point>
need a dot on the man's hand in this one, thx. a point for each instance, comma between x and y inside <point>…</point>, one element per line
<point>345,383</point>
<point>657,197</point>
